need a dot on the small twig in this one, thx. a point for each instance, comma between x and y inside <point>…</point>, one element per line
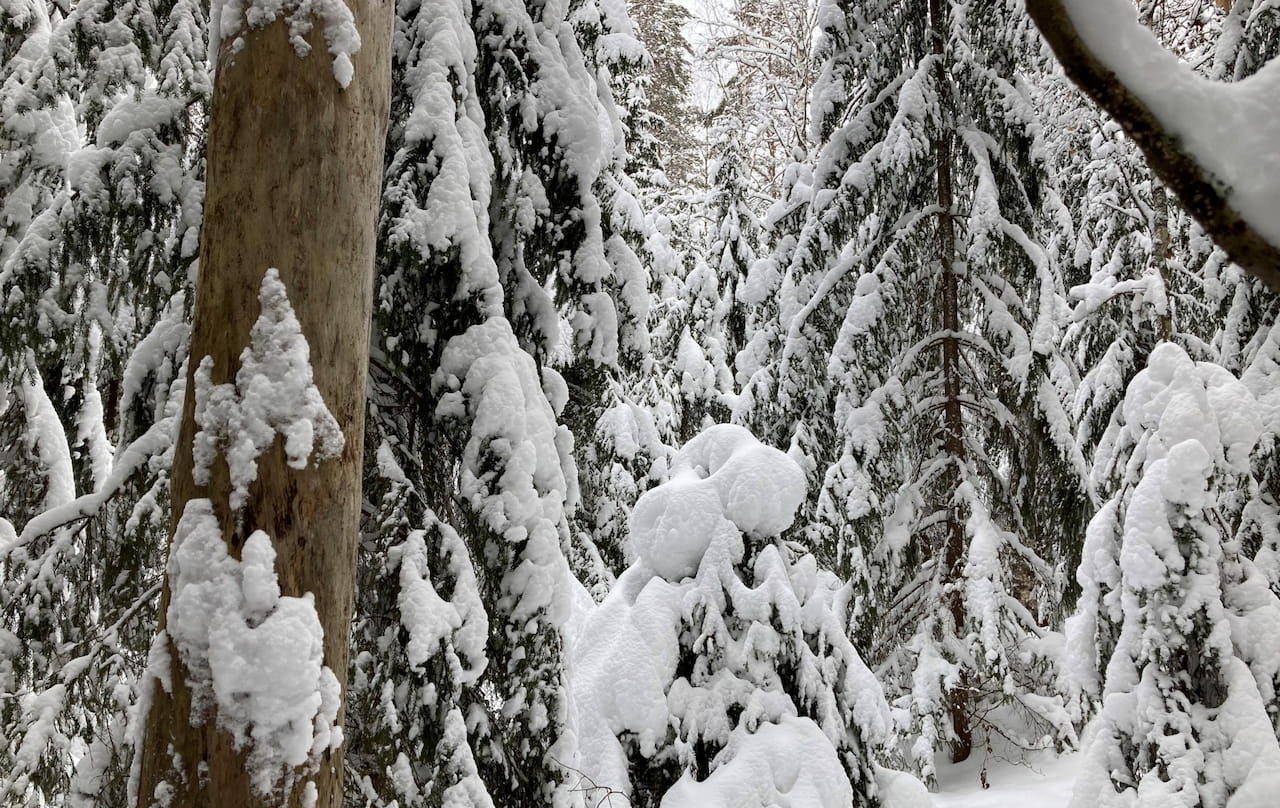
<point>586,785</point>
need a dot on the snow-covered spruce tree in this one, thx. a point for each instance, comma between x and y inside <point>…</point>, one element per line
<point>615,444</point>
<point>721,651</point>
<point>1245,342</point>
<point>917,368</point>
<point>1169,634</point>
<point>100,179</point>
<point>665,157</point>
<point>419,630</point>
<point>734,234</point>
<point>566,224</point>
<point>704,321</point>
<point>507,218</point>
<point>1259,527</point>
<point>1123,255</point>
<point>767,296</point>
<point>1250,38</point>
<point>1142,271</point>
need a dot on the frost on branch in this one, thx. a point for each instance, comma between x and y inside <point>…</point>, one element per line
<point>273,393</point>
<point>252,654</point>
<point>228,19</point>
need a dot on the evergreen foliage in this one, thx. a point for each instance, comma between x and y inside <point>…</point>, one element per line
<point>102,128</point>
<point>1027,415</point>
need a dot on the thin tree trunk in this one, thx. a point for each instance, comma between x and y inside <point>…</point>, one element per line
<point>1160,256</point>
<point>294,172</point>
<point>953,423</point>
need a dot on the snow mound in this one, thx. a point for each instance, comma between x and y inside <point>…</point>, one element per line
<point>901,790</point>
<point>723,482</point>
<point>790,763</point>
<point>255,656</point>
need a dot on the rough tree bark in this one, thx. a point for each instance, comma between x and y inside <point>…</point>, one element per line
<point>1202,195</point>
<point>294,176</point>
<point>952,418</point>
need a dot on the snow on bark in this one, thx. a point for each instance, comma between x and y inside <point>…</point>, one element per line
<point>253,656</point>
<point>273,394</point>
<point>228,19</point>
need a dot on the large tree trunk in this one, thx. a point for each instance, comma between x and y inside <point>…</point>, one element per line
<point>294,176</point>
<point>952,418</point>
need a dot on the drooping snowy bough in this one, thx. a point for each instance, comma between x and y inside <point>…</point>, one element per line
<point>1212,143</point>
<point>723,646</point>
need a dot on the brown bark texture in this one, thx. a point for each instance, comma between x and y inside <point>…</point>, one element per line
<point>952,417</point>
<point>293,182</point>
<point>1202,194</point>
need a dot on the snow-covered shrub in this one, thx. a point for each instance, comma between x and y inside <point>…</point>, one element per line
<point>721,637</point>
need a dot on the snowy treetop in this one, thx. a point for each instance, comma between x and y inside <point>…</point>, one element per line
<point>723,482</point>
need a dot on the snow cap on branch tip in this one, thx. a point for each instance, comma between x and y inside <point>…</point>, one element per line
<point>723,483</point>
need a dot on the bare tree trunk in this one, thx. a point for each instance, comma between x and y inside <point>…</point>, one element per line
<point>952,420</point>
<point>294,177</point>
<point>1161,253</point>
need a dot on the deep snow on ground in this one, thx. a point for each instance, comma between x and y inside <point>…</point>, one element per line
<point>1038,780</point>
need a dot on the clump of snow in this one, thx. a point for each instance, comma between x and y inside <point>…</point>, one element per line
<point>723,483</point>
<point>273,394</point>
<point>515,461</point>
<point>254,656</point>
<point>787,763</point>
<point>901,790</point>
<point>228,18</point>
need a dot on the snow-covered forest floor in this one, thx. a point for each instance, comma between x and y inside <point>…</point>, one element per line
<point>1026,780</point>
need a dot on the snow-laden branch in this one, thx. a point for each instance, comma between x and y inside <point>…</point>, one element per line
<point>1212,143</point>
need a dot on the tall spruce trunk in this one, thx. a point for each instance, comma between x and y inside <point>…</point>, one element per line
<point>294,177</point>
<point>952,419</point>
